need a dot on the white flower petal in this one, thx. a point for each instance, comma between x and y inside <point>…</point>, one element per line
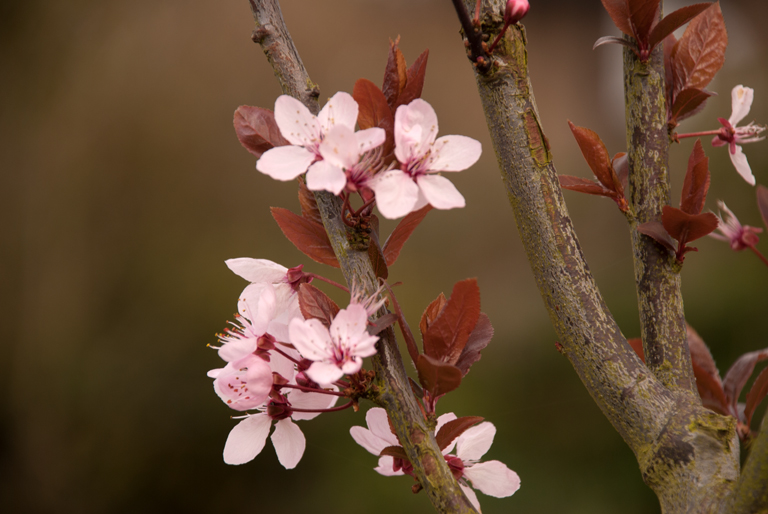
<point>454,153</point>
<point>247,439</point>
<point>325,176</point>
<point>440,192</point>
<point>415,130</point>
<point>311,401</point>
<point>289,443</point>
<point>324,372</point>
<point>386,467</point>
<point>257,270</point>
<point>369,139</point>
<point>741,102</point>
<point>341,109</point>
<point>474,442</point>
<point>310,338</point>
<point>396,193</point>
<point>285,162</point>
<point>493,478</point>
<point>295,122</point>
<point>472,497</point>
<point>739,161</point>
<point>368,440</point>
<point>377,421</point>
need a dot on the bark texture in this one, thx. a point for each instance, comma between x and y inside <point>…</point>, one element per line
<point>395,395</point>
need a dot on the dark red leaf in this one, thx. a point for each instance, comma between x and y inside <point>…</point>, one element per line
<point>410,342</point>
<point>700,52</point>
<point>755,395</point>
<point>394,451</point>
<point>446,337</point>
<point>415,81</point>
<point>256,129</point>
<point>613,40</point>
<point>696,182</point>
<point>308,236</point>
<point>315,304</point>
<point>395,74</point>
<point>437,377</point>
<point>762,202</point>
<point>597,157</point>
<point>382,323</point>
<point>478,339</point>
<point>432,311</point>
<point>687,103</point>
<point>402,232</point>
<point>618,10</point>
<point>674,21</point>
<point>637,345</point>
<point>707,375</point>
<point>584,185</point>
<point>739,373</point>
<point>687,227</point>
<point>655,230</point>
<point>454,429</point>
<point>377,260</point>
<point>374,111</point>
<point>416,388</point>
<point>670,80</point>
<point>620,164</point>
<point>308,204</point>
<point>642,15</point>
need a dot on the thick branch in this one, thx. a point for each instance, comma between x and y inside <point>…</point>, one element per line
<point>395,395</point>
<point>660,301</point>
<point>635,403</point>
<point>751,493</point>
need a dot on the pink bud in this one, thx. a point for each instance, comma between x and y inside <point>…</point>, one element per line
<point>515,11</point>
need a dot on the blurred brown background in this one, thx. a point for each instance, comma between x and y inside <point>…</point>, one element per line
<point>124,189</point>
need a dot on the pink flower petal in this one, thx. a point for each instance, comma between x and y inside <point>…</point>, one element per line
<point>352,366</point>
<point>368,440</point>
<point>247,439</point>
<point>285,162</point>
<point>396,193</point>
<point>739,161</point>
<point>472,497</point>
<point>349,324</point>
<point>341,109</point>
<point>244,389</point>
<point>310,338</point>
<point>475,442</point>
<point>440,192</point>
<point>295,122</point>
<point>324,372</point>
<point>442,420</point>
<point>257,270</point>
<point>237,348</point>
<point>493,478</point>
<point>377,421</point>
<point>415,130</point>
<point>454,153</point>
<point>369,139</point>
<point>741,102</point>
<point>257,304</point>
<point>281,365</point>
<point>311,401</point>
<point>326,176</point>
<point>289,443</point>
<point>340,147</point>
<point>386,467</point>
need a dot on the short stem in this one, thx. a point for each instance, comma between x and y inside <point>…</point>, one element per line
<point>498,38</point>
<point>699,134</point>
<point>366,204</point>
<point>278,350</point>
<point>312,390</point>
<point>332,409</point>
<point>327,280</point>
<point>477,12</point>
<point>757,252</point>
<point>473,35</point>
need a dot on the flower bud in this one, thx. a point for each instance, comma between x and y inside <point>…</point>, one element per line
<point>515,11</point>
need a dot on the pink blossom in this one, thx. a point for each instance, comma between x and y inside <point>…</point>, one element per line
<point>731,135</point>
<point>734,233</point>
<point>493,478</point>
<point>248,438</point>
<point>515,11</point>
<point>348,162</point>
<point>336,351</point>
<point>422,157</point>
<point>306,132</point>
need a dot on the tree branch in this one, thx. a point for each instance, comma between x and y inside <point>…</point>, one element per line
<point>751,493</point>
<point>659,298</point>
<point>395,395</point>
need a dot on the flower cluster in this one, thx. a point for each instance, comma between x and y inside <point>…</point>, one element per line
<point>281,365</point>
<point>339,160</point>
<point>492,477</point>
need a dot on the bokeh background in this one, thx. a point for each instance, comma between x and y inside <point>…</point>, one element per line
<point>124,189</point>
